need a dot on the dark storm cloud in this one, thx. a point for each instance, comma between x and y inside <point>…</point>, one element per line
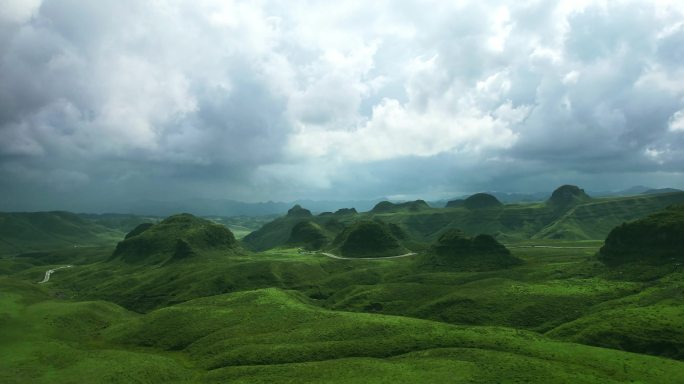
<point>108,102</point>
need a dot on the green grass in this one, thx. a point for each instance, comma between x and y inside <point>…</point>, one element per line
<point>270,335</point>
<point>284,315</point>
<point>553,286</point>
<point>595,219</point>
<point>43,340</point>
<point>588,220</point>
<point>41,231</point>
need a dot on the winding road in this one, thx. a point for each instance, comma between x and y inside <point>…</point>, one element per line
<point>50,272</point>
<point>413,253</point>
<point>366,258</point>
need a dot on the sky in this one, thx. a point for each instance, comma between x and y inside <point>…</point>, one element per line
<point>107,102</point>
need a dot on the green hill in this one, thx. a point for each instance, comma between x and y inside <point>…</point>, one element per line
<point>270,335</point>
<point>277,232</point>
<point>481,200</point>
<point>455,203</point>
<point>38,231</point>
<point>308,235</point>
<point>119,222</point>
<point>239,337</point>
<point>559,291</point>
<point>656,239</point>
<point>595,219</point>
<point>455,249</point>
<point>346,211</point>
<point>566,196</point>
<point>569,215</point>
<point>654,329</point>
<point>175,238</point>
<point>409,206</point>
<point>368,238</point>
<point>298,211</point>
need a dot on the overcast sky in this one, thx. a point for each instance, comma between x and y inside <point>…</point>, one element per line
<point>103,102</point>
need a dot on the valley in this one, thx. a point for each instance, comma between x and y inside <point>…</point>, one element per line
<point>402,293</point>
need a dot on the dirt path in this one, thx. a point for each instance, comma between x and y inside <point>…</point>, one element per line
<point>50,272</point>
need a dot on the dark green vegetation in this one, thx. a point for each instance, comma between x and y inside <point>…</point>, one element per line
<point>481,201</point>
<point>369,239</point>
<point>455,203</point>
<point>173,239</point>
<point>569,214</point>
<point>566,196</point>
<point>298,211</point>
<point>181,301</point>
<point>270,335</point>
<point>26,232</point>
<point>308,235</point>
<point>410,206</point>
<point>456,250</point>
<point>656,239</point>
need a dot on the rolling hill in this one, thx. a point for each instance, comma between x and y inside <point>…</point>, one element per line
<point>38,231</point>
<point>176,238</point>
<point>569,214</point>
<point>656,239</point>
<point>180,300</point>
<point>239,337</point>
<point>369,238</point>
<point>455,250</point>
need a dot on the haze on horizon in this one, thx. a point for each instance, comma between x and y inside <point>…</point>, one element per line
<point>108,102</point>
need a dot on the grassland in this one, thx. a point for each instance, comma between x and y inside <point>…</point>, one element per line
<point>39,231</point>
<point>556,314</point>
<point>590,219</point>
<point>271,335</point>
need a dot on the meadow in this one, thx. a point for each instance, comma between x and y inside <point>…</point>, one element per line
<point>223,313</point>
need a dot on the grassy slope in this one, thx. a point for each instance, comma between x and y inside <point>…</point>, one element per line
<point>650,321</point>
<point>553,287</point>
<point>26,232</point>
<point>595,219</point>
<point>555,290</point>
<point>274,336</point>
<point>228,332</point>
<point>514,222</point>
<point>43,340</point>
<point>564,293</point>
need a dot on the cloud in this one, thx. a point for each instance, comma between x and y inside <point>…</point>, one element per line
<point>260,100</point>
<point>676,122</point>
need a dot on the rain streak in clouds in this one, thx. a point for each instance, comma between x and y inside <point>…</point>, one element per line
<point>125,100</point>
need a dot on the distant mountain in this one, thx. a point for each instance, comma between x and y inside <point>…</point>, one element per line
<point>38,231</point>
<point>119,222</point>
<point>566,196</point>
<point>634,191</point>
<point>570,213</point>
<point>225,207</point>
<point>409,206</point>
<point>481,201</point>
<point>504,197</point>
<point>661,190</point>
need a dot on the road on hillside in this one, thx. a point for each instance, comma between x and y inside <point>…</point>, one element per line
<point>50,272</point>
<point>366,258</point>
